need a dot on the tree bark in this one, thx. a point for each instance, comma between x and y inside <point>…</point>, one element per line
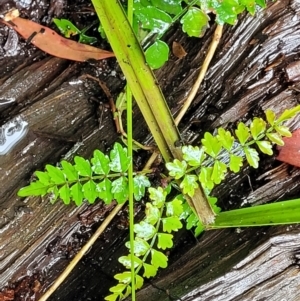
<point>246,77</point>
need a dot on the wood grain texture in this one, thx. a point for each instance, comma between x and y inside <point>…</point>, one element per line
<point>225,264</point>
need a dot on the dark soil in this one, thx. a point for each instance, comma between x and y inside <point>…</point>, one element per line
<point>64,115</point>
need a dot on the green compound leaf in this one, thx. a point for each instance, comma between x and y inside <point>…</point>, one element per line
<point>139,281</point>
<point>35,189</point>
<point>140,182</point>
<point>192,221</point>
<point>66,27</point>
<point>176,168</point>
<point>257,127</point>
<point>90,191</point>
<point>194,22</point>
<point>199,229</point>
<point>251,156</point>
<point>219,171</point>
<point>159,259</point>
<point>100,163</point>
<point>119,159</point>
<point>288,114</point>
<point>157,54</point>
<point>152,214</point>
<point>149,270</point>
<point>205,177</point>
<point>55,174</point>
<point>189,184</point>
<point>265,147</point>
<point>193,155</point>
<point>174,208</point>
<point>144,2</point>
<point>165,240</point>
<point>43,177</point>
<point>283,130</point>
<point>112,297</point>
<point>235,163</point>
<point>84,39</point>
<point>69,171</point>
<point>172,7</point>
<point>250,5</point>
<point>270,116</point>
<point>243,133</point>
<point>83,166</point>
<point>152,18</point>
<point>225,138</point>
<point>124,277</point>
<point>212,146</point>
<point>226,10</point>
<point>119,188</point>
<point>158,196</point>
<point>118,288</point>
<point>275,138</point>
<point>64,194</point>
<point>261,3</point>
<point>76,193</point>
<point>140,246</point>
<point>126,261</point>
<point>144,230</point>
<point>104,191</point>
<point>171,223</point>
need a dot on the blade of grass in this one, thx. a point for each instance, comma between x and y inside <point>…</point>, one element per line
<point>146,91</point>
<point>130,169</point>
<point>139,76</point>
<point>281,213</point>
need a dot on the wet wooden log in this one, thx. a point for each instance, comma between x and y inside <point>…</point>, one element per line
<point>247,76</point>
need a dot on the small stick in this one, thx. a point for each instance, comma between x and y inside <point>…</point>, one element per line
<point>211,51</point>
<point>110,99</point>
<point>81,253</point>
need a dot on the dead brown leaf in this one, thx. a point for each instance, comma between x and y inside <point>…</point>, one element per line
<point>178,50</point>
<point>49,41</point>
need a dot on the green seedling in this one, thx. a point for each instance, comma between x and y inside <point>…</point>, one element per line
<point>68,29</point>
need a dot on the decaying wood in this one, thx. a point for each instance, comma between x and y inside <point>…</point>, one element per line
<point>260,264</point>
<point>247,76</point>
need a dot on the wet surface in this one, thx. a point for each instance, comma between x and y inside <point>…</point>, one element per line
<point>48,111</point>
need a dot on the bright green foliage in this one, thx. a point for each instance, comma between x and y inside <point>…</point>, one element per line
<point>156,16</point>
<point>68,29</point>
<point>152,18</point>
<point>210,163</point>
<point>153,234</point>
<point>194,22</point>
<point>192,220</point>
<point>102,177</point>
<point>177,169</point>
<point>157,54</point>
<point>171,7</point>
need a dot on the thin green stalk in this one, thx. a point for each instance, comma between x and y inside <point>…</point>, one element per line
<point>146,91</point>
<point>130,169</point>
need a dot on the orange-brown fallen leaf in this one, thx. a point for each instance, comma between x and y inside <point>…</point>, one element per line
<point>178,50</point>
<point>290,151</point>
<point>49,41</point>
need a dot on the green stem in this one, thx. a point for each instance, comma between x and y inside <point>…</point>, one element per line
<point>146,91</point>
<point>130,169</point>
